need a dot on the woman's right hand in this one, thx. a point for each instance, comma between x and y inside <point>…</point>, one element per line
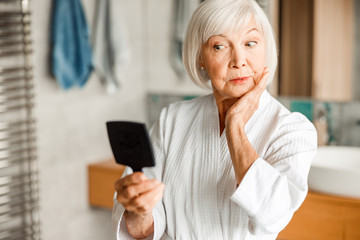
<point>139,195</point>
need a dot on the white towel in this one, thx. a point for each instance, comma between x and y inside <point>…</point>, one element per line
<point>111,50</point>
<point>183,10</point>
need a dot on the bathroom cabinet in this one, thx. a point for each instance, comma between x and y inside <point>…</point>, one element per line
<point>101,179</point>
<point>324,217</point>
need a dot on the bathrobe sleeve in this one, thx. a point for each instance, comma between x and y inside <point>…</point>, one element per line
<point>119,224</point>
<point>276,184</point>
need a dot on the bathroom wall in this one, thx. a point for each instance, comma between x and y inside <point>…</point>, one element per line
<point>71,127</point>
<point>71,124</point>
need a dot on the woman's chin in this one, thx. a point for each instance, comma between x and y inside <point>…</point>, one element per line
<point>238,91</point>
<point>233,91</point>
<point>231,95</point>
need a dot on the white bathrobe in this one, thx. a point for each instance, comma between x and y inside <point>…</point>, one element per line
<point>201,199</point>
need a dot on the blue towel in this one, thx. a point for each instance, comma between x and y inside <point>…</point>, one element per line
<point>71,49</point>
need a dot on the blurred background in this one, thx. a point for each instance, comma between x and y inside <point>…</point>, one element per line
<point>124,63</point>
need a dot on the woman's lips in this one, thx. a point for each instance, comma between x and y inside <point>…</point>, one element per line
<point>240,80</point>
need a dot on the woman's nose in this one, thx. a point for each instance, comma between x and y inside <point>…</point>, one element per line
<point>238,59</point>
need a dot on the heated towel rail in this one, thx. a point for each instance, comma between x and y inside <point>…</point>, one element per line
<point>18,166</point>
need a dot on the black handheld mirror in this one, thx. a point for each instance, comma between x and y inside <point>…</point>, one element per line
<point>131,145</point>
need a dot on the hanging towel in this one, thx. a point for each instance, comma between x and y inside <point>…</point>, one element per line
<point>71,50</point>
<point>110,46</point>
<point>264,4</point>
<point>183,10</point>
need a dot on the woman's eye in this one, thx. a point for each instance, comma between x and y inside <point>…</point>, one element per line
<point>251,44</point>
<point>219,47</point>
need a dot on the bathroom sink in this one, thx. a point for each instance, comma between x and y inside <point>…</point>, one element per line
<point>336,170</point>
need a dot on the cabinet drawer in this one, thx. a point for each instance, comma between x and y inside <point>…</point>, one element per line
<point>323,217</point>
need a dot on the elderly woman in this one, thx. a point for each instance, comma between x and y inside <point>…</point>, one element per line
<point>235,162</point>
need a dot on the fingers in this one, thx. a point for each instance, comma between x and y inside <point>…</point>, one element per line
<point>137,193</point>
<point>244,108</point>
<point>147,201</point>
<point>134,178</point>
<point>137,189</point>
<point>260,86</point>
<point>263,79</point>
<point>248,103</point>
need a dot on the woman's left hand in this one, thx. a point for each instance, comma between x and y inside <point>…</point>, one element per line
<point>245,107</point>
<point>241,151</point>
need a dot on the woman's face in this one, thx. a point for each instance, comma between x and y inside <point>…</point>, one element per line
<point>234,60</point>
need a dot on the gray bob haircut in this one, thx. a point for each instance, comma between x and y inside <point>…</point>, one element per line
<point>214,17</point>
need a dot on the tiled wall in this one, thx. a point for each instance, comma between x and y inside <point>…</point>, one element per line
<point>343,119</point>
